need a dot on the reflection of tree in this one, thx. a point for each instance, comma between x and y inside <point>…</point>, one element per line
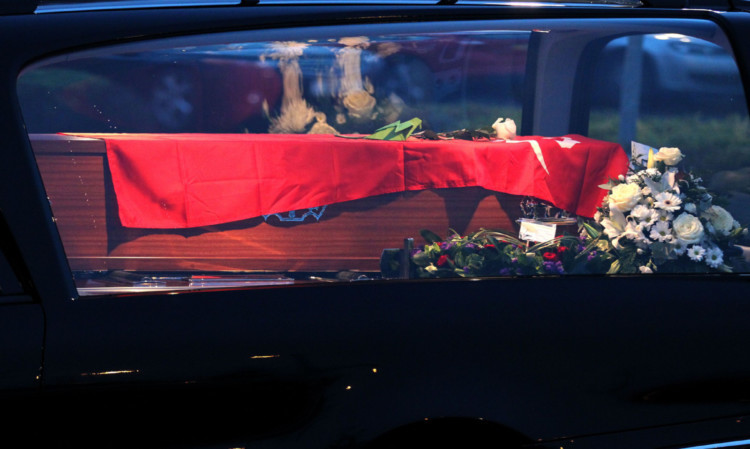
<point>296,113</point>
<point>354,102</point>
<point>353,96</point>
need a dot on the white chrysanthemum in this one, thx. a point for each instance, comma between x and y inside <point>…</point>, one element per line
<point>634,232</point>
<point>664,215</point>
<point>714,257</point>
<point>679,247</point>
<point>696,253</point>
<point>644,214</point>
<point>661,232</point>
<point>617,227</point>
<point>668,201</point>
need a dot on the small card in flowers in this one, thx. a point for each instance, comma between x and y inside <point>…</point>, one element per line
<point>536,231</point>
<point>639,152</point>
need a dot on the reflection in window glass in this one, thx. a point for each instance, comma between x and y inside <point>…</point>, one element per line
<point>384,154</point>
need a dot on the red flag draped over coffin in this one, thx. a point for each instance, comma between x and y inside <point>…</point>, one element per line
<point>190,180</point>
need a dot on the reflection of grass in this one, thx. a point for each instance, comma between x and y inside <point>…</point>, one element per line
<point>451,116</point>
<point>710,144</point>
<point>58,78</point>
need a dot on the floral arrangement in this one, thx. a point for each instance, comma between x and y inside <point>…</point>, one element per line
<point>656,218</point>
<point>495,253</point>
<point>661,218</point>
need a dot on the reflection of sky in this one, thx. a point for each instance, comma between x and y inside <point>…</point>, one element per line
<point>257,49</point>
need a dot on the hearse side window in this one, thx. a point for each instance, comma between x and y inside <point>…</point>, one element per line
<point>490,148</point>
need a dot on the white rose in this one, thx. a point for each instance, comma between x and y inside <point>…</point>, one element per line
<point>670,156</point>
<point>505,128</point>
<point>720,218</point>
<point>688,228</point>
<point>624,197</point>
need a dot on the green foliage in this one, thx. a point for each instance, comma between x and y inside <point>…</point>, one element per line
<point>714,144</point>
<point>497,253</point>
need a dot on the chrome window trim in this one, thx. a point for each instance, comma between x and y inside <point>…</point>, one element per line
<point>720,445</point>
<point>128,4</point>
<point>73,6</point>
<point>568,3</point>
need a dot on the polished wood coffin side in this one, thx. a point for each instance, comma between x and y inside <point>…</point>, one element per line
<point>74,174</point>
<point>348,236</point>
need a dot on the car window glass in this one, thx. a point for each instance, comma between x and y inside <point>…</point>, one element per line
<point>687,91</point>
<point>366,153</point>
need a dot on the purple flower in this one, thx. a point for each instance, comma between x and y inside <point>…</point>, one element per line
<point>554,267</point>
<point>591,255</point>
<point>505,272</point>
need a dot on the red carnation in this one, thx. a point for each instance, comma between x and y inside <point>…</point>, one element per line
<point>550,257</point>
<point>442,260</point>
<point>561,249</point>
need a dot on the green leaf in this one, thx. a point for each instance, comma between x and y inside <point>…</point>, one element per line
<point>590,230</point>
<point>614,268</point>
<point>429,236</point>
<point>591,245</point>
<point>660,252</point>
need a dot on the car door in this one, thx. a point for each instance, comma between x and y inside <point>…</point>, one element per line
<point>22,321</point>
<point>326,319</point>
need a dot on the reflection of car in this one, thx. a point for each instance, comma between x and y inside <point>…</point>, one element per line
<point>673,65</point>
<point>203,354</point>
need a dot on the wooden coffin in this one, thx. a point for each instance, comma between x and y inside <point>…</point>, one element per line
<point>347,236</point>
